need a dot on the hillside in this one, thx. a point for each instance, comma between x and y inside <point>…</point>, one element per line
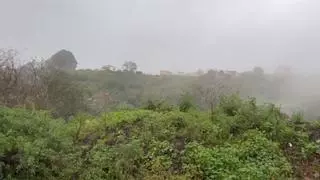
<point>61,123</point>
<point>134,89</point>
<point>241,141</point>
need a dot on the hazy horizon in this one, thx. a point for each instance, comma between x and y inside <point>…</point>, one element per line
<point>170,35</point>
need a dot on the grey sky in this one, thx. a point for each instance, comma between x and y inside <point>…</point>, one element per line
<point>178,35</point>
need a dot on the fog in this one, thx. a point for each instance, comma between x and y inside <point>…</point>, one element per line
<point>176,35</point>
<point>171,35</point>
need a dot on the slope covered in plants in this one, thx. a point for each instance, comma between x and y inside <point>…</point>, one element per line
<point>240,141</point>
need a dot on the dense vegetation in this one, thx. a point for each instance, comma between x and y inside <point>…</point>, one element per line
<point>242,141</point>
<point>60,123</point>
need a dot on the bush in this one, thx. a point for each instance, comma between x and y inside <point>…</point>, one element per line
<point>185,103</point>
<point>33,146</point>
<point>251,157</point>
<point>243,141</point>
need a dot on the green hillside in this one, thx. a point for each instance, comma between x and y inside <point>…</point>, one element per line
<point>241,141</point>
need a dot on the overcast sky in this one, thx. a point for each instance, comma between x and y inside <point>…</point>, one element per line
<point>177,35</point>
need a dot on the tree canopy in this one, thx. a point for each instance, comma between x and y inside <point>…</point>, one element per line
<point>130,66</point>
<point>63,60</point>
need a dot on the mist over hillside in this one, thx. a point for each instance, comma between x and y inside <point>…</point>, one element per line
<point>159,90</point>
<point>127,84</point>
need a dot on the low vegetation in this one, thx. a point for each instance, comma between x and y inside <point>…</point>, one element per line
<point>60,123</point>
<point>242,141</point>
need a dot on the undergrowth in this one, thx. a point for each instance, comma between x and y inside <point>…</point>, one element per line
<point>243,140</point>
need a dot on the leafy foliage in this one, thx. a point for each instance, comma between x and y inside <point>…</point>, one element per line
<point>130,66</point>
<point>33,146</point>
<point>252,157</point>
<point>243,141</point>
<point>186,103</point>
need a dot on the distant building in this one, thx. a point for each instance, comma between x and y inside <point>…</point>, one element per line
<point>165,73</point>
<point>232,73</point>
<point>192,74</point>
<point>110,67</point>
<point>189,74</point>
<point>283,70</point>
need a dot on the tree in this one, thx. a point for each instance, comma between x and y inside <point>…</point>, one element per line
<point>258,71</point>
<point>63,60</point>
<point>37,86</point>
<point>186,102</point>
<point>9,77</point>
<point>210,89</point>
<point>130,66</point>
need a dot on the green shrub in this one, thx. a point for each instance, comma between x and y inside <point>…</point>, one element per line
<point>186,103</point>
<point>243,141</point>
<point>33,146</point>
<point>251,157</point>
